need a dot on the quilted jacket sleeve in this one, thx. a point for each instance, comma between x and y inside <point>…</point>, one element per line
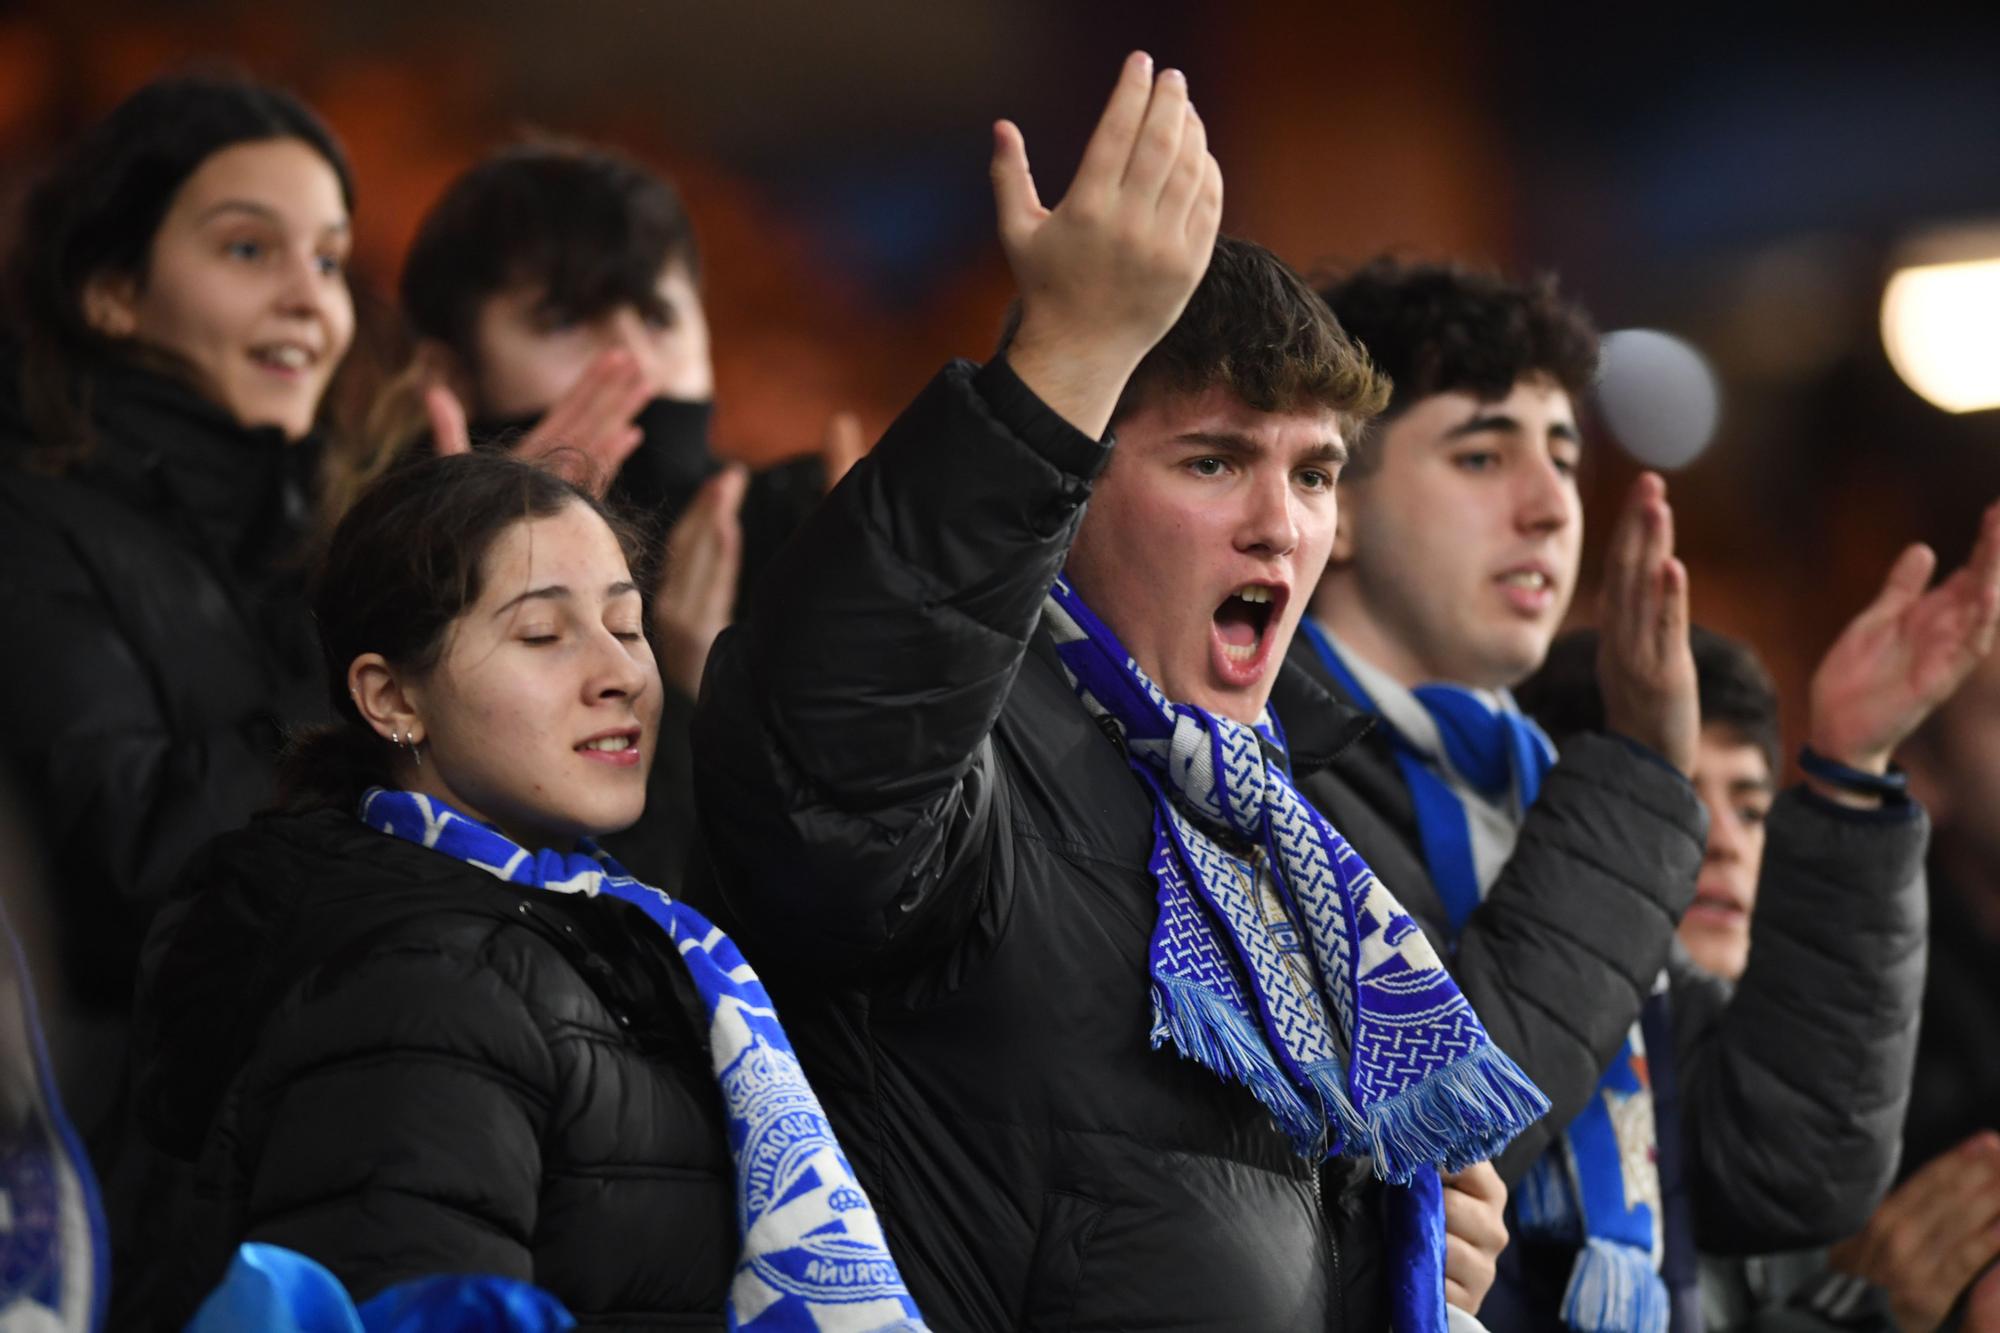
<point>843,765</point>
<point>1793,1089</point>
<point>441,1170</point>
<point>1571,937</point>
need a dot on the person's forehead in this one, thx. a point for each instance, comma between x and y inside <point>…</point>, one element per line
<point>1218,412</point>
<point>1726,755</point>
<point>1534,402</point>
<point>284,180</point>
<point>572,546</point>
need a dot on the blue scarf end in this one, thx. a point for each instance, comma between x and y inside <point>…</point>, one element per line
<point>1206,1029</point>
<point>1464,1113</point>
<point>1614,1289</point>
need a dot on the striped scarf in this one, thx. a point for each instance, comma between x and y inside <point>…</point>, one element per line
<point>813,1257</point>
<point>1272,999</point>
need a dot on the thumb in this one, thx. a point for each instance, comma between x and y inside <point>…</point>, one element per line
<point>1014,197</point>
<point>448,430</point>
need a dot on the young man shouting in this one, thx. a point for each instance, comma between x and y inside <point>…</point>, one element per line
<point>1111,1018</point>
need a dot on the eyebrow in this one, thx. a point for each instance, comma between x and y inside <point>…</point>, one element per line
<point>1245,446</point>
<point>263,212</point>
<point>557,592</point>
<point>1507,424</point>
<point>1738,786</point>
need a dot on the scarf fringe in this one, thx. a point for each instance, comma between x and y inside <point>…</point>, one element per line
<point>1614,1289</point>
<point>1206,1029</point>
<point>1464,1113</point>
<point>1543,1201</point>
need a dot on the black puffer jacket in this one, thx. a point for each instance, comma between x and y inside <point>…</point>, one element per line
<point>400,1065</point>
<point>941,862</point>
<point>1789,1092</point>
<point>161,643</point>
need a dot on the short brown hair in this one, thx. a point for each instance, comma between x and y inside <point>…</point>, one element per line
<point>1257,329</point>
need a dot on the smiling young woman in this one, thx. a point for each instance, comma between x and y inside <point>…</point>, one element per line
<point>177,307</point>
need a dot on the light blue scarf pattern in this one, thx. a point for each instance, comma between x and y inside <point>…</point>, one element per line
<point>813,1259</point>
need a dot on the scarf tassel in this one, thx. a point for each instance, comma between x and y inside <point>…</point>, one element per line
<point>1206,1029</point>
<point>1463,1113</point>
<point>1614,1289</point>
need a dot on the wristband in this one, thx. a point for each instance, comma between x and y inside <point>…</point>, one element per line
<point>1893,787</point>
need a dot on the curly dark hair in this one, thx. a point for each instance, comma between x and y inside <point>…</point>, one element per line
<point>1440,328</point>
<point>590,226</point>
<point>1735,690</point>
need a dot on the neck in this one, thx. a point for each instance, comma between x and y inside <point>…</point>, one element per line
<point>1337,604</point>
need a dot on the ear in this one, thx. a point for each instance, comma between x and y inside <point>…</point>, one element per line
<point>384,700</point>
<point>1343,528</point>
<point>436,363</point>
<point>111,304</point>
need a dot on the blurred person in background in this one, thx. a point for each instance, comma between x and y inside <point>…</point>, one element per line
<point>177,304</point>
<point>1927,1241</point>
<point>555,292</point>
<point>1100,1012</point>
<point>419,1024</point>
<point>1559,880</point>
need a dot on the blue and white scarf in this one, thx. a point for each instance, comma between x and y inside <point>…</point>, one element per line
<point>813,1258</point>
<point>1255,996</point>
<point>55,1253</point>
<point>1598,1188</point>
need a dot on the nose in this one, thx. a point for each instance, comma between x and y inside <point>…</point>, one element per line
<point>302,290</point>
<point>1543,500</point>
<point>615,672</point>
<point>1726,842</point>
<point>627,330</point>
<point>1270,523</point>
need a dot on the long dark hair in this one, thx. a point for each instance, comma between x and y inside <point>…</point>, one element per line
<point>406,561</point>
<point>95,213</point>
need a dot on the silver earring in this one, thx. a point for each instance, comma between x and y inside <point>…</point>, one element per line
<point>411,742</point>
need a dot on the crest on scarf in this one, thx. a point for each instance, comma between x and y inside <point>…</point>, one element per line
<point>814,1259</point>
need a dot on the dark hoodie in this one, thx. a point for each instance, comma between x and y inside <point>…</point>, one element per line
<point>399,1065</point>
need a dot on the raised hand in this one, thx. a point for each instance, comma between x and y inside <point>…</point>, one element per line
<point>1106,272</point>
<point>841,447</point>
<point>1932,1235</point>
<point>697,588</point>
<point>1645,667</point>
<point>586,436</point>
<point>1906,653</point>
<point>1475,1231</point>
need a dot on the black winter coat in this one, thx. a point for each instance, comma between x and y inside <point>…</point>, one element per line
<point>1790,1091</point>
<point>161,644</point>
<point>939,862</point>
<point>400,1065</point>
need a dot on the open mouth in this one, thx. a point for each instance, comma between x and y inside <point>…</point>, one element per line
<point>290,358</point>
<point>619,747</point>
<point>1242,619</point>
<point>1716,907</point>
<point>1242,631</point>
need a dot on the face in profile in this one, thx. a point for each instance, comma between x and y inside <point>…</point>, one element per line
<point>245,283</point>
<point>529,351</point>
<point>1733,780</point>
<point>1203,538</point>
<point>542,713</point>
<point>1459,548</point>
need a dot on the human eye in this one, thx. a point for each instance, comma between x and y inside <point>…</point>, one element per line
<point>1566,462</point>
<point>660,316</point>
<point>245,248</point>
<point>540,637</point>
<point>330,265</point>
<point>1753,814</point>
<point>1476,460</point>
<point>1317,478</point>
<point>1209,466</point>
